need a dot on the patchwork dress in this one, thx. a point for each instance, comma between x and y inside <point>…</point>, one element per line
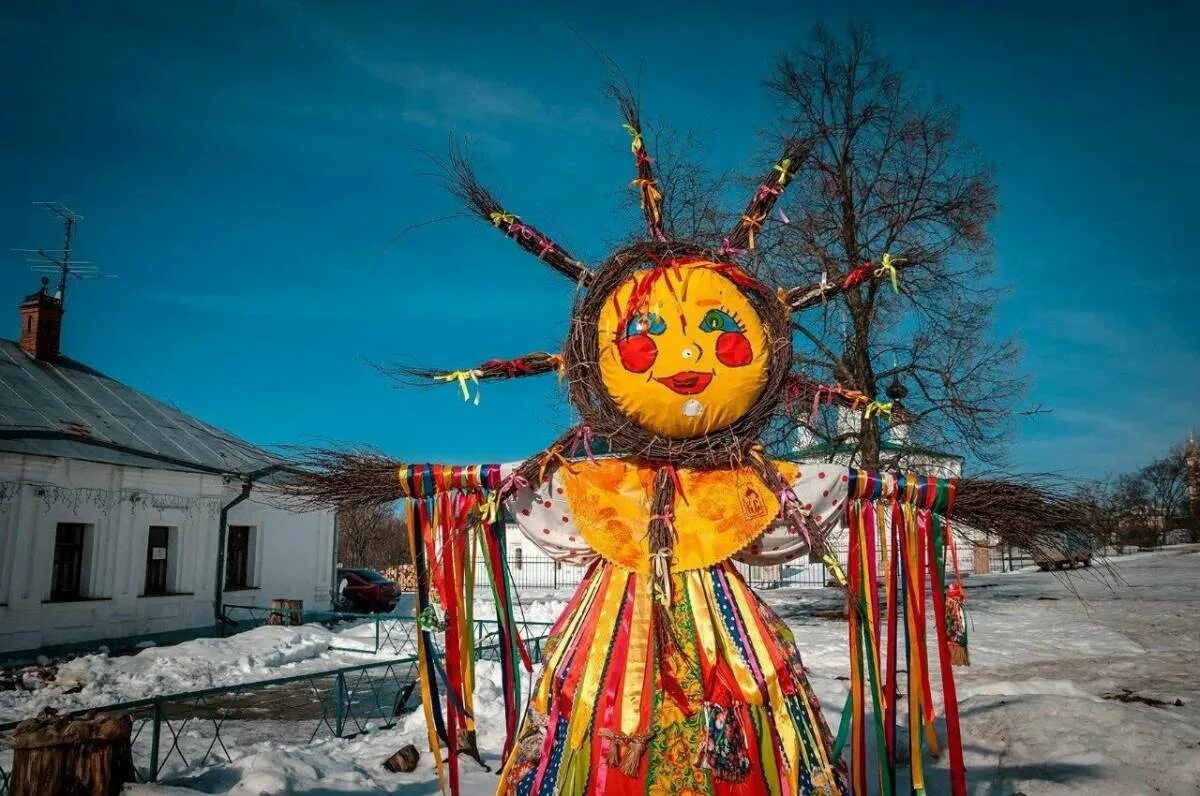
<point>724,706</point>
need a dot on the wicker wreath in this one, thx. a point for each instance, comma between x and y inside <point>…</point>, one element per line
<point>601,413</point>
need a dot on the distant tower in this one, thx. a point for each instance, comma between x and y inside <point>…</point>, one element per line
<point>1191,461</point>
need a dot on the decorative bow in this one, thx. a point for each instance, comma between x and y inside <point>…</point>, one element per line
<point>650,194</point>
<point>791,510</point>
<point>500,217</point>
<point>877,408</point>
<point>636,144</point>
<point>887,266</point>
<point>660,561</point>
<point>461,377</point>
<point>832,564</point>
<point>752,224</point>
<point>826,394</point>
<point>489,510</point>
<point>583,439</point>
<point>728,249</point>
<point>767,190</point>
<point>784,169</point>
<point>514,482</point>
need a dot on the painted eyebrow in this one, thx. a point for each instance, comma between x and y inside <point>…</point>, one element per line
<point>708,303</point>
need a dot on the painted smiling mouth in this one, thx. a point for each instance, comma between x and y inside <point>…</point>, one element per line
<point>687,382</point>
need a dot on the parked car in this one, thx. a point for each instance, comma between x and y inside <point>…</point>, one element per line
<point>367,591</point>
<point>1064,550</point>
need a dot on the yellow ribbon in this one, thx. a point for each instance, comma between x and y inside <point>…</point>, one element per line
<point>877,408</point>
<point>461,377</point>
<point>650,194</point>
<point>752,223</point>
<point>637,137</point>
<point>488,510</point>
<point>887,265</point>
<point>660,562</point>
<point>783,167</point>
<point>501,217</point>
<point>832,564</point>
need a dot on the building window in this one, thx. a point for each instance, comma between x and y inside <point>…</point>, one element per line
<point>239,557</point>
<point>157,559</point>
<point>66,581</point>
<point>518,557</point>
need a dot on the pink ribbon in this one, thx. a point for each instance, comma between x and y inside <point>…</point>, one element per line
<point>667,519</point>
<point>767,190</point>
<point>793,513</point>
<point>823,391</point>
<point>512,484</point>
<point>583,439</point>
<point>517,229</point>
<point>728,249</point>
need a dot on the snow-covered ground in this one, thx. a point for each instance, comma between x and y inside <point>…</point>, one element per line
<point>263,653</point>
<point>1088,686</point>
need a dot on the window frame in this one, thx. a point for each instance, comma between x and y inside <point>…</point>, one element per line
<point>78,550</point>
<point>159,567</point>
<point>245,559</point>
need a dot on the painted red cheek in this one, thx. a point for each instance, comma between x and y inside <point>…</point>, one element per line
<point>733,349</point>
<point>637,352</point>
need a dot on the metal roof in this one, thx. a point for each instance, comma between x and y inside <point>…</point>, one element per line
<point>66,409</point>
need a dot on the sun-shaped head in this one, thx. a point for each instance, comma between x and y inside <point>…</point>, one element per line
<point>682,350</point>
<point>677,355</point>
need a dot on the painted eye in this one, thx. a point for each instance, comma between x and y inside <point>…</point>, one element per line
<point>719,321</point>
<point>646,323</point>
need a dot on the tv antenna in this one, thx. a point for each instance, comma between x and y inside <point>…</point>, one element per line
<point>58,261</point>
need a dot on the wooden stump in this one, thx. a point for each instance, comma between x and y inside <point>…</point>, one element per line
<point>405,759</point>
<point>63,756</point>
<point>286,612</point>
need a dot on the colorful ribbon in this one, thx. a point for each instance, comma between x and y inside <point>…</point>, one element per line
<point>752,225</point>
<point>728,249</point>
<point>887,266</point>
<point>500,217</point>
<point>877,408</point>
<point>461,377</point>
<point>636,143</point>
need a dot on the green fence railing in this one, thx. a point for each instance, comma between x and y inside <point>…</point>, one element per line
<point>393,633</point>
<point>175,733</point>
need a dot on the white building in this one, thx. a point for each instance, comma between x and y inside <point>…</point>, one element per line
<point>121,516</point>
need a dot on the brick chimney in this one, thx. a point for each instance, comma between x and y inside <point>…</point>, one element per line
<point>41,324</point>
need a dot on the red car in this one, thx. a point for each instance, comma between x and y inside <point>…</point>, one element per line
<point>367,591</point>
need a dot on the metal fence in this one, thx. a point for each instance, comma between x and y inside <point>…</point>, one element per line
<point>390,633</point>
<point>539,572</point>
<point>175,733</point>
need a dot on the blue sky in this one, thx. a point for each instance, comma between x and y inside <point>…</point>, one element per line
<point>246,167</point>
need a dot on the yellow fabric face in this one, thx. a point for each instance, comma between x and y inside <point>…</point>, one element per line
<point>682,350</point>
<point>718,512</point>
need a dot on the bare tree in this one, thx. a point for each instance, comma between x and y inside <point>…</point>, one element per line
<point>1148,504</point>
<point>889,173</point>
<point>371,536</point>
<point>1166,491</point>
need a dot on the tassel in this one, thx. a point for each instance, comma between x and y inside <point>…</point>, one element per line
<point>625,751</point>
<point>956,626</point>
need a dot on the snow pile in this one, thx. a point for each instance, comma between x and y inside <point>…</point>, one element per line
<point>352,765</point>
<point>95,680</point>
<point>1089,690</point>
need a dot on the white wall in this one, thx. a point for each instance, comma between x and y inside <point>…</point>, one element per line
<point>293,550</point>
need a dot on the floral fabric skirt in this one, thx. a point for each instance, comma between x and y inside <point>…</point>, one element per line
<point>720,705</point>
